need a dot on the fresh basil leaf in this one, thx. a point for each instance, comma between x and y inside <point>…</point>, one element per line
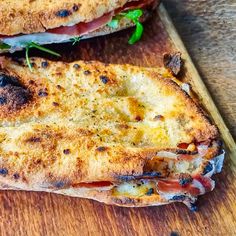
<point>4,46</point>
<point>137,34</point>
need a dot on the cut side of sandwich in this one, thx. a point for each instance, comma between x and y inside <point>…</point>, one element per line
<point>119,134</point>
<point>44,22</point>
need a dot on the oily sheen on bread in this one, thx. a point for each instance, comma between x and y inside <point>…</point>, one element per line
<point>119,134</point>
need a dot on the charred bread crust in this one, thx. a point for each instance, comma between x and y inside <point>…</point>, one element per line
<point>27,17</point>
<point>51,145</point>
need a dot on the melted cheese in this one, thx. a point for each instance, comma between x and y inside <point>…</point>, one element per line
<point>134,189</point>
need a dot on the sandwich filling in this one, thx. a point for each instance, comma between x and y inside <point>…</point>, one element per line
<point>82,29</point>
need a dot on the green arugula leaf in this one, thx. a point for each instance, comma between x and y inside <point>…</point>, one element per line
<point>4,46</point>
<point>75,40</point>
<point>134,16</point>
<point>137,34</point>
<point>35,45</point>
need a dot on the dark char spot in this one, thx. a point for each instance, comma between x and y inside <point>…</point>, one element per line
<point>42,93</point>
<point>150,192</point>
<point>76,7</point>
<point>101,149</point>
<point>207,169</point>
<point>76,66</point>
<point>34,140</point>
<point>44,64</point>
<point>87,72</point>
<point>15,96</point>
<point>3,171</point>
<point>178,198</point>
<point>59,184</point>
<point>66,151</point>
<point>104,79</point>
<point>8,80</point>
<point>182,151</point>
<point>185,179</point>
<point>158,118</point>
<point>3,100</point>
<point>59,86</point>
<point>152,174</point>
<point>63,13</point>
<point>138,118</point>
<point>55,104</point>
<point>126,177</point>
<point>16,176</point>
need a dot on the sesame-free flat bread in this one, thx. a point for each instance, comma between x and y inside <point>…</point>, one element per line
<point>119,134</point>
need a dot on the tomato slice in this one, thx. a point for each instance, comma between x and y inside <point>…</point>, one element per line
<point>173,186</point>
<point>205,181</point>
<point>183,145</point>
<point>83,28</point>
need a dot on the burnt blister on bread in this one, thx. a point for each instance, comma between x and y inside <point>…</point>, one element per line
<point>104,79</point>
<point>63,13</point>
<point>76,7</point>
<point>13,95</point>
<point>3,171</point>
<point>8,80</point>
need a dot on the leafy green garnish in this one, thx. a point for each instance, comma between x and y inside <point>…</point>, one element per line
<point>35,45</point>
<point>75,40</point>
<point>4,46</point>
<point>137,34</point>
<point>134,16</point>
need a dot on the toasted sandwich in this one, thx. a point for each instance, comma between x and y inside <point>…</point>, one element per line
<point>118,134</point>
<point>46,22</point>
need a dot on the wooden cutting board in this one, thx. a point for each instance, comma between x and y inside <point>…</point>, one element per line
<point>25,213</point>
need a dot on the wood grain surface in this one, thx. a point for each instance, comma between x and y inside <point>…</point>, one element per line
<point>23,213</point>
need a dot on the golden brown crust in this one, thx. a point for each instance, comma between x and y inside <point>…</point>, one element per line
<point>28,17</point>
<point>87,121</point>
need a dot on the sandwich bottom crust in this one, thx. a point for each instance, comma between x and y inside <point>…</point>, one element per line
<point>129,197</point>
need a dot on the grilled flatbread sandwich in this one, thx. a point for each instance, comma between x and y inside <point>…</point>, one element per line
<point>119,134</point>
<point>44,22</point>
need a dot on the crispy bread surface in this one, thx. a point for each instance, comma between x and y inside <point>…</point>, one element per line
<point>88,121</point>
<point>26,17</point>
